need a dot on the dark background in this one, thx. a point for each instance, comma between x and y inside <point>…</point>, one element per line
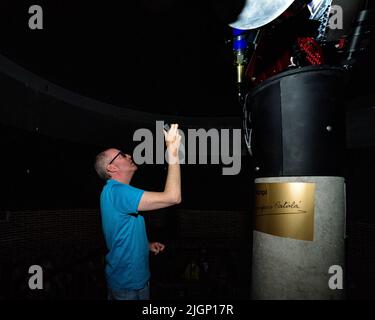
<point>171,55</point>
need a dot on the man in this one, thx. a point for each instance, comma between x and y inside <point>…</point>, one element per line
<point>127,269</point>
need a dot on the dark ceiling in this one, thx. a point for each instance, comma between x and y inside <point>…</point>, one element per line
<point>162,56</point>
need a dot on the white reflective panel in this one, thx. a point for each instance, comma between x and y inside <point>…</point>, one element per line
<point>257,13</point>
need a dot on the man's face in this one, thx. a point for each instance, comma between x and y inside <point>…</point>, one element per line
<point>119,161</point>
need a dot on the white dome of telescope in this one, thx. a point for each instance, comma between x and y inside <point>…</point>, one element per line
<point>257,13</point>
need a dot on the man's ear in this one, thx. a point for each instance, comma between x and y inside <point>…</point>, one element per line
<point>111,168</point>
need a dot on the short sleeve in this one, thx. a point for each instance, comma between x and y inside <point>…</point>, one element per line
<point>126,198</point>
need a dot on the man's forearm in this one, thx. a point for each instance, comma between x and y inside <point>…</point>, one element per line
<point>173,183</point>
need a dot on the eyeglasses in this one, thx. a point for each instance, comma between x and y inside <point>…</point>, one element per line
<point>120,153</point>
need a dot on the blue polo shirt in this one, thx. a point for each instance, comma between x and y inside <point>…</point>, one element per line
<point>125,235</point>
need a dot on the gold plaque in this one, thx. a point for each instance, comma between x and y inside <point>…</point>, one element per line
<point>285,209</point>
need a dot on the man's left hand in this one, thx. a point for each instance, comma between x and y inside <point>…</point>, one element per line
<point>156,247</point>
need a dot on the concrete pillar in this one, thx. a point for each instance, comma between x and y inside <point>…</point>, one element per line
<point>287,268</point>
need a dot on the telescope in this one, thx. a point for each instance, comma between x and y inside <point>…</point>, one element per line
<point>296,60</point>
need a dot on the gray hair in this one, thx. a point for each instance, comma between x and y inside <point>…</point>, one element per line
<point>101,165</point>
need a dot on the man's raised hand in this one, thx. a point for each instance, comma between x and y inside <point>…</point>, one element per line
<point>173,141</point>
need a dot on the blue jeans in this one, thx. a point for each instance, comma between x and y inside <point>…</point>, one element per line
<point>141,294</point>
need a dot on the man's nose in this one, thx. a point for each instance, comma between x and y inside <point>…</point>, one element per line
<point>128,156</point>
